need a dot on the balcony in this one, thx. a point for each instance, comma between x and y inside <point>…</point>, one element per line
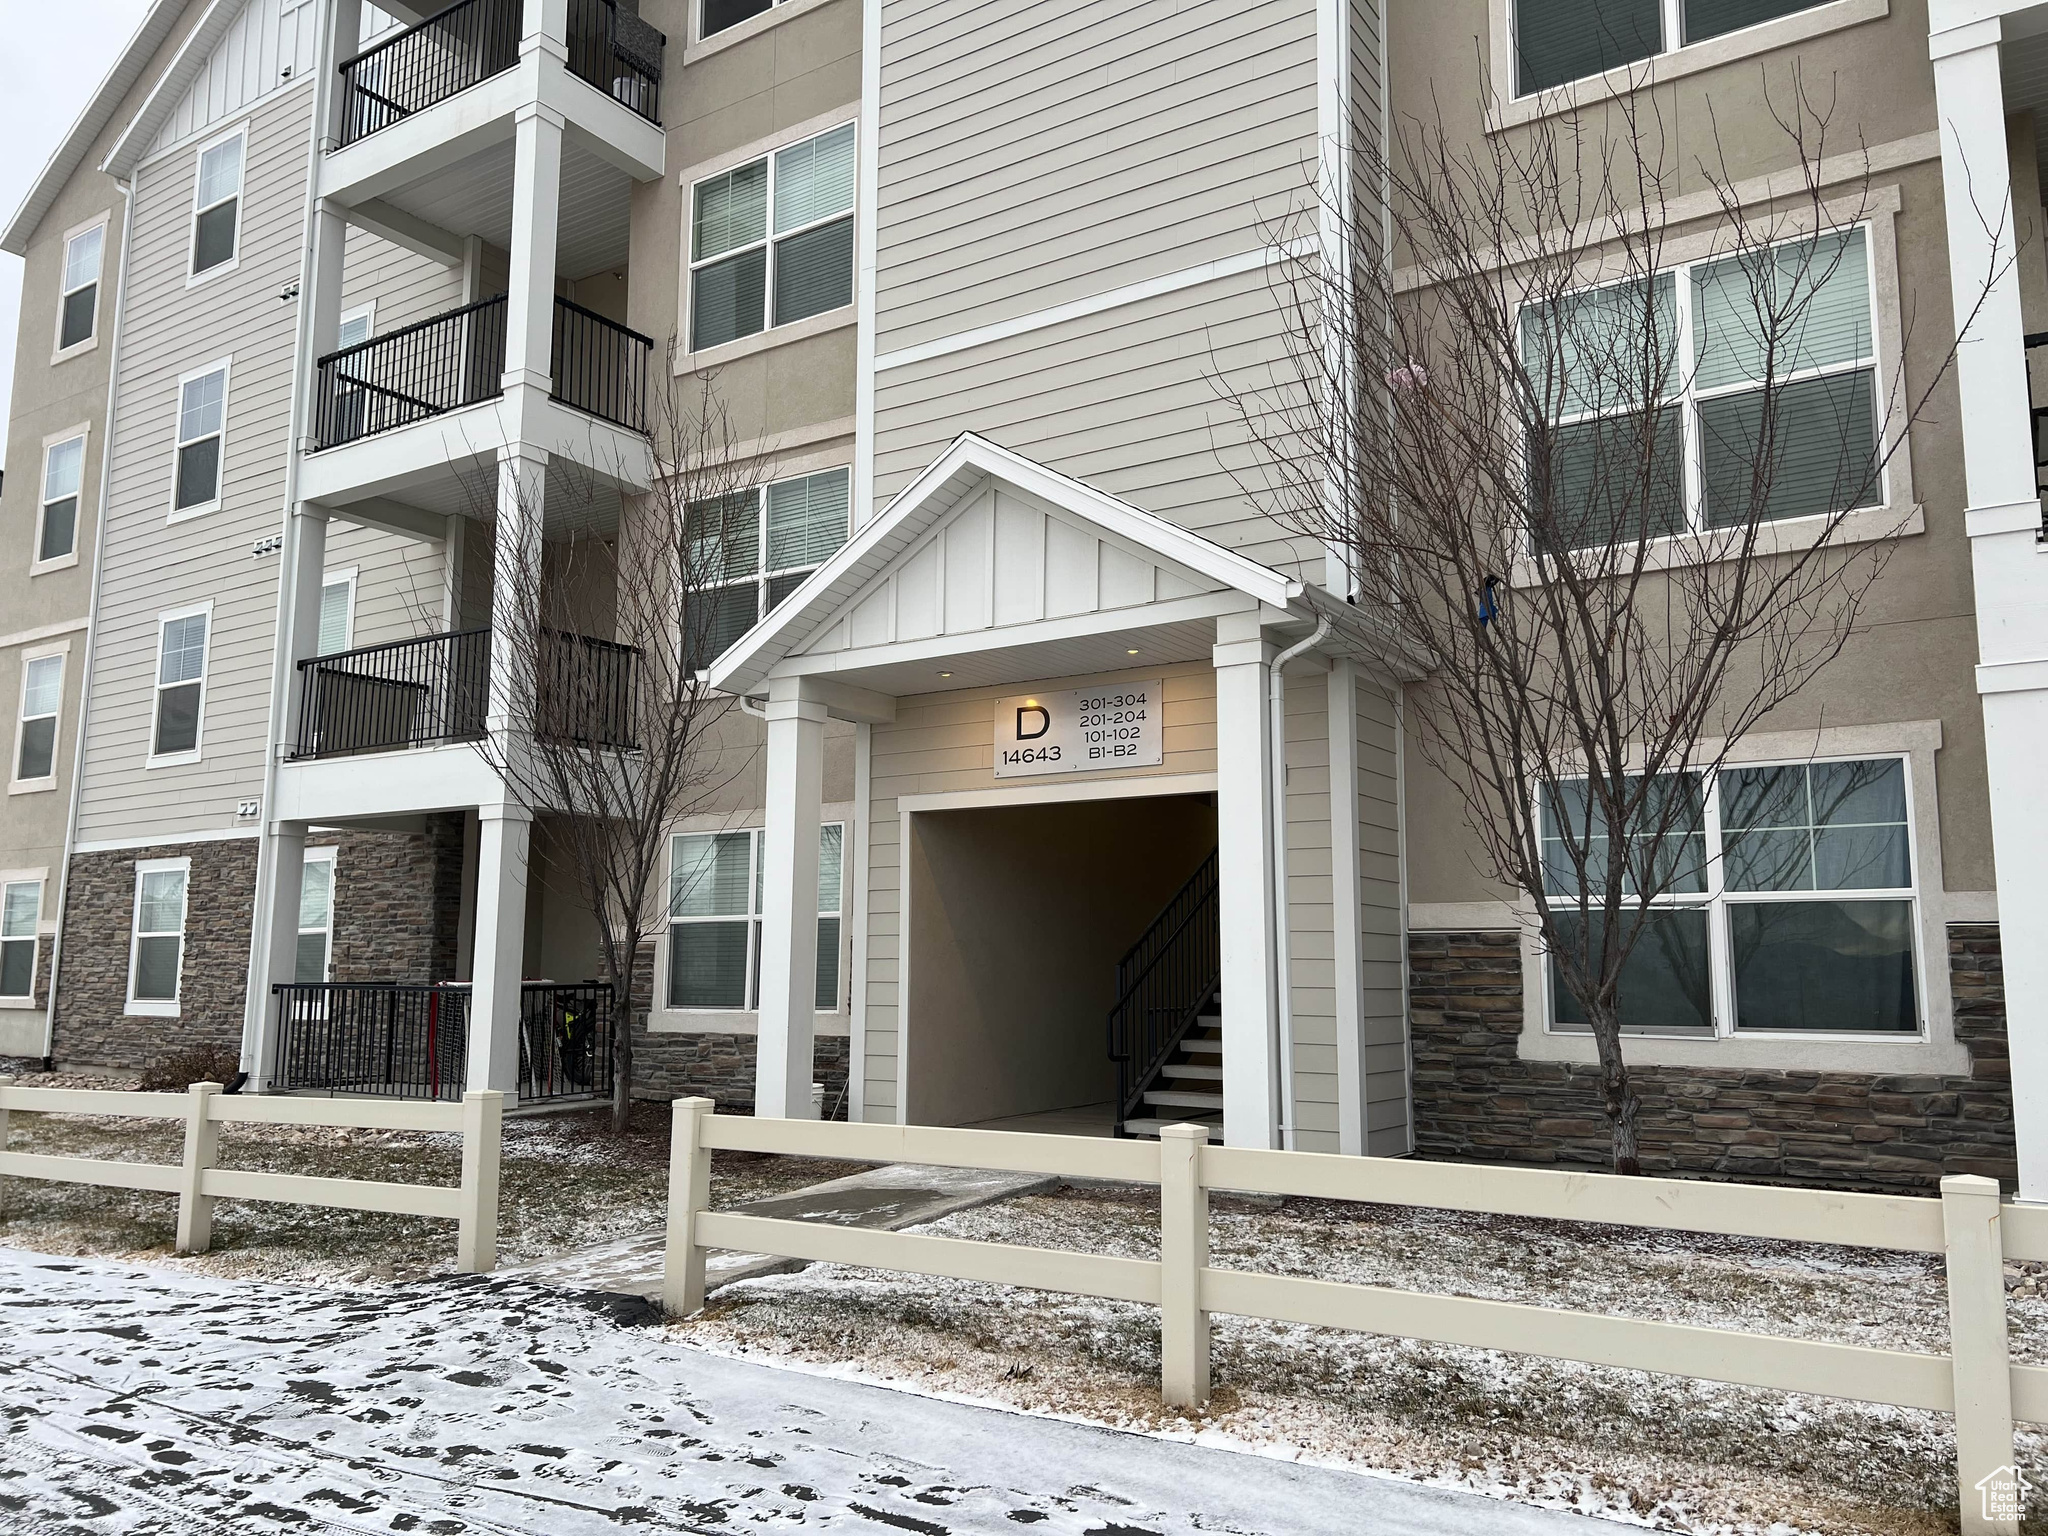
<point>412,1042</point>
<point>458,359</point>
<point>474,40</point>
<point>435,691</point>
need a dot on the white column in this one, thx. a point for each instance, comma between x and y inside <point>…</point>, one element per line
<point>515,591</point>
<point>789,905</point>
<point>2003,521</point>
<point>1244,835</point>
<point>499,955</point>
<point>530,283</point>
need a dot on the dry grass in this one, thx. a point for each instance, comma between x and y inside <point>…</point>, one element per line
<point>566,1182</point>
<point>1679,1455</point>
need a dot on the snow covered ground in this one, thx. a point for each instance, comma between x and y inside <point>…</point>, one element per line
<point>144,1400</point>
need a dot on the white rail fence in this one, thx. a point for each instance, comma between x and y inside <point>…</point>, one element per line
<point>1975,1381</point>
<point>198,1181</point>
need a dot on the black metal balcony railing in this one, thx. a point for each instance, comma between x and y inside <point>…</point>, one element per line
<point>435,690</point>
<point>423,370</point>
<point>2035,340</point>
<point>450,51</point>
<point>458,359</point>
<point>384,698</point>
<point>618,53</point>
<point>600,366</point>
<point>412,1042</point>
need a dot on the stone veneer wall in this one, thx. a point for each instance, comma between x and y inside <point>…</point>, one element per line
<point>388,927</point>
<point>1475,1100</point>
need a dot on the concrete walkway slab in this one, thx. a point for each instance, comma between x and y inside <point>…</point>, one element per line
<point>888,1198</point>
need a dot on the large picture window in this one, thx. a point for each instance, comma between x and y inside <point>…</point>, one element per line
<point>750,550</point>
<point>21,905</point>
<point>1557,41</point>
<point>157,947</point>
<point>771,241</point>
<point>1791,904</point>
<point>714,936</point>
<point>1591,355</point>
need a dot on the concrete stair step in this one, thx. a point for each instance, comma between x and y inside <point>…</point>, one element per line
<point>1184,1099</point>
<point>1188,1069</point>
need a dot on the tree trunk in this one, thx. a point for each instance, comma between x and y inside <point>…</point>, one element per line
<point>1617,1093</point>
<point>622,1038</point>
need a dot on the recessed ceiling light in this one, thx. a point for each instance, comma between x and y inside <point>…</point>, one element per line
<point>945,674</point>
<point>1132,651</point>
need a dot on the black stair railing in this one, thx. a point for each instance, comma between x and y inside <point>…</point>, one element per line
<point>436,365</point>
<point>401,1041</point>
<point>1162,984</point>
<point>618,53</point>
<point>600,366</point>
<point>450,51</point>
<point>405,693</point>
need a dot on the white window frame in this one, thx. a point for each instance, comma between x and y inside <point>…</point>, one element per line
<point>344,577</point>
<point>192,278</point>
<point>158,1007</point>
<point>1688,397</point>
<point>762,576</point>
<point>698,43</point>
<point>17,785</point>
<point>367,313</point>
<point>156,759</point>
<point>327,855</point>
<point>751,1002</point>
<point>770,332</point>
<point>1716,900</point>
<point>58,351</point>
<point>11,879</point>
<point>1513,111</point>
<point>223,366</point>
<point>81,435</point>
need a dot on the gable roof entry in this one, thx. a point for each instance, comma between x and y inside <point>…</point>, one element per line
<point>157,24</point>
<point>926,502</point>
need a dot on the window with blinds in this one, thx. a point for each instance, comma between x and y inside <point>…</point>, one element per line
<point>771,241</point>
<point>337,614</point>
<point>1662,407</point>
<point>714,948</point>
<point>750,550</point>
<point>1559,41</point>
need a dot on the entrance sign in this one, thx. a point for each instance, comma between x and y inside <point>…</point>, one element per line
<point>1079,730</point>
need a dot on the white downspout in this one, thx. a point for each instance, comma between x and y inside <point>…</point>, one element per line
<point>92,610</point>
<point>1276,812</point>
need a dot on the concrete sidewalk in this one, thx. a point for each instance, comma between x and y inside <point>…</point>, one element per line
<point>888,1198</point>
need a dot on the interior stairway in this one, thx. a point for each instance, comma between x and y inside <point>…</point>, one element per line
<point>1166,1030</point>
<point>1188,1087</point>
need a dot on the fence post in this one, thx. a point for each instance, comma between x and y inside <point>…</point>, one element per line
<point>483,1126</point>
<point>1183,1255</point>
<point>5,1083</point>
<point>1977,1352</point>
<point>202,1148</point>
<point>689,1191</point>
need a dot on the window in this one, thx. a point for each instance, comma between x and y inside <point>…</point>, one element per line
<point>316,917</point>
<point>57,528</point>
<point>158,946</point>
<point>771,241</point>
<point>1792,907</point>
<point>337,612</point>
<point>1590,356</point>
<point>79,299</point>
<point>180,683</point>
<point>21,904</point>
<point>356,326</point>
<point>714,903</point>
<point>752,549</point>
<point>216,205</point>
<point>202,416</point>
<point>722,14</point>
<point>42,696</point>
<point>1562,40</point>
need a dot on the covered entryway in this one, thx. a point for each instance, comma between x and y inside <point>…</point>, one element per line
<point>1018,917</point>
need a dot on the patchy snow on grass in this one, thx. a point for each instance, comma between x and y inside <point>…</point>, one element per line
<point>1661,1451</point>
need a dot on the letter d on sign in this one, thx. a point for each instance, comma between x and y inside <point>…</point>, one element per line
<point>1044,722</point>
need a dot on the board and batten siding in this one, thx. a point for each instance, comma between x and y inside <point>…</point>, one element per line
<point>946,741</point>
<point>152,565</point>
<point>1035,152</point>
<point>270,44</point>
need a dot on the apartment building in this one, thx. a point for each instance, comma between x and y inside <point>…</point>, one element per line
<point>1056,727</point>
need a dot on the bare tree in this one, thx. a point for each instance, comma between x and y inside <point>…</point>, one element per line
<point>1623,522</point>
<point>625,605</point>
